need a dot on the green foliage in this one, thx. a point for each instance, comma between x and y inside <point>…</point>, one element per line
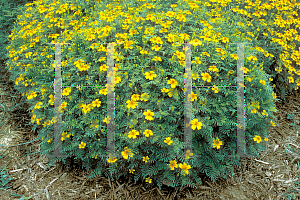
<point>9,12</point>
<point>84,141</point>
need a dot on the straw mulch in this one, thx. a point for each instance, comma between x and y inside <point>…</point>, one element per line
<point>270,176</point>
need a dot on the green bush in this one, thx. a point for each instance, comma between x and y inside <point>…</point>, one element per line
<point>149,79</point>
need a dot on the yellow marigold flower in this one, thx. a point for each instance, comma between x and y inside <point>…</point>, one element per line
<point>131,104</point>
<point>196,124</point>
<point>173,164</point>
<point>66,92</point>
<point>85,108</point>
<point>133,134</point>
<point>257,138</point>
<point>103,91</point>
<point>135,97</point>
<point>51,101</point>
<point>265,113</point>
<point>126,153</point>
<point>64,104</point>
<point>106,120</point>
<point>206,77</point>
<point>273,124</point>
<point>274,95</point>
<point>188,154</point>
<point>150,75</point>
<point>185,167</point>
<point>168,140</point>
<point>64,134</point>
<point>266,139</point>
<point>96,103</point>
<point>38,105</point>
<point>149,115</point>
<point>110,160</point>
<point>145,159</point>
<point>50,140</point>
<point>144,97</point>
<point>148,180</point>
<point>156,58</point>
<point>215,89</point>
<point>31,95</point>
<point>217,143</point>
<point>165,90</point>
<point>263,82</point>
<point>213,68</point>
<point>131,171</point>
<point>253,110</point>
<point>82,145</point>
<point>173,82</point>
<point>193,96</point>
<point>148,132</point>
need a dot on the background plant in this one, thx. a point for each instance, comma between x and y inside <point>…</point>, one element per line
<point>81,49</point>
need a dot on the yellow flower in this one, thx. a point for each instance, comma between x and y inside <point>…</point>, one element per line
<point>266,139</point>
<point>133,134</point>
<point>185,167</point>
<point>215,89</point>
<point>110,160</point>
<point>253,110</point>
<point>131,104</point>
<point>150,75</point>
<point>173,82</point>
<point>82,145</point>
<point>148,132</point>
<point>165,90</point>
<point>149,115</point>
<point>263,82</point>
<point>64,104</point>
<point>173,164</point>
<point>126,153</point>
<point>217,143</point>
<point>188,154</point>
<point>156,58</point>
<point>66,92</point>
<point>131,171</point>
<point>31,95</point>
<point>206,76</point>
<point>213,68</point>
<point>96,103</point>
<point>196,124</point>
<point>145,159</point>
<point>85,108</point>
<point>257,138</point>
<point>168,140</point>
<point>265,113</point>
<point>144,97</point>
<point>64,134</point>
<point>193,96</point>
<point>38,105</point>
<point>106,120</point>
<point>103,91</point>
<point>148,180</point>
<point>273,124</point>
<point>135,97</point>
